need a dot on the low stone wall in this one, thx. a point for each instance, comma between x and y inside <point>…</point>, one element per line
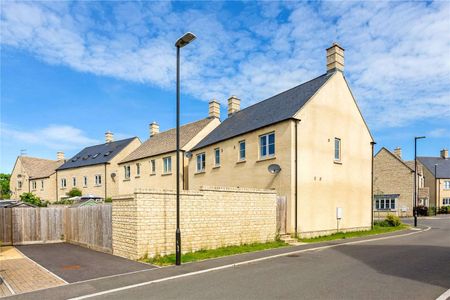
<point>144,223</point>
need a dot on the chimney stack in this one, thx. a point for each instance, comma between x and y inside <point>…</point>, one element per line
<point>109,137</point>
<point>335,58</point>
<point>59,155</point>
<point>398,152</point>
<point>214,109</point>
<point>154,128</point>
<point>444,153</point>
<point>234,105</point>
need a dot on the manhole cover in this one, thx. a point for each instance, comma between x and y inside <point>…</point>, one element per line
<point>71,267</point>
<point>293,255</point>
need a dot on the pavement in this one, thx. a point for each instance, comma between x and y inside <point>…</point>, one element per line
<point>403,265</point>
<point>74,263</point>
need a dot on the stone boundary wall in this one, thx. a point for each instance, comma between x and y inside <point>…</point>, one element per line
<point>144,223</point>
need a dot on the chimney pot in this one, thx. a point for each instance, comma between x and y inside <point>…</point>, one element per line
<point>234,105</point>
<point>154,128</point>
<point>214,109</point>
<point>444,153</point>
<point>109,137</point>
<point>335,58</point>
<point>398,152</point>
<point>59,155</point>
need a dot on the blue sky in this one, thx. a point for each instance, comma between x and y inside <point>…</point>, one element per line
<point>72,70</point>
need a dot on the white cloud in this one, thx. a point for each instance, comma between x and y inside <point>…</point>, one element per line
<point>56,137</point>
<point>396,53</point>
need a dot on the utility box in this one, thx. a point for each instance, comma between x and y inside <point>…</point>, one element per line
<point>338,213</point>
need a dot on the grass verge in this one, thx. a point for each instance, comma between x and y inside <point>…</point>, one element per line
<point>213,253</point>
<point>377,229</point>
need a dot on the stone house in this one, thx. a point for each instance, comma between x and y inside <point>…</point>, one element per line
<point>35,175</point>
<point>437,178</point>
<point>153,164</point>
<point>394,184</point>
<point>94,170</point>
<point>309,143</point>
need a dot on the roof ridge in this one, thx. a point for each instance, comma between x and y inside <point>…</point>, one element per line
<point>184,125</point>
<point>96,145</point>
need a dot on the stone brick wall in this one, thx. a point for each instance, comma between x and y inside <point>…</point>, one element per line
<point>144,223</point>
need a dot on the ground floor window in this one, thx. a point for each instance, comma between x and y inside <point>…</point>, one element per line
<point>385,202</point>
<point>446,201</point>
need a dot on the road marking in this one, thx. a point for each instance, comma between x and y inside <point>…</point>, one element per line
<point>239,264</point>
<point>444,296</point>
<point>41,266</point>
<point>8,286</point>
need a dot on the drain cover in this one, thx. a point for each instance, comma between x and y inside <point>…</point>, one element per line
<point>293,255</point>
<point>71,267</point>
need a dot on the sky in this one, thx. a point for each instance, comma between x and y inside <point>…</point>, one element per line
<point>70,71</point>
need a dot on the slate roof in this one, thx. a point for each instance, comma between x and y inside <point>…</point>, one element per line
<point>39,167</point>
<point>98,154</point>
<point>165,142</point>
<point>275,109</point>
<point>443,168</point>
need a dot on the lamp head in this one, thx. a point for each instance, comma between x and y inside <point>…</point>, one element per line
<point>185,39</point>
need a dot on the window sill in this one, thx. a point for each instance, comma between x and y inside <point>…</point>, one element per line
<point>166,174</point>
<point>97,185</point>
<point>62,188</point>
<point>337,162</point>
<point>138,176</point>
<point>199,172</point>
<point>215,167</point>
<point>85,187</point>
<point>152,174</point>
<point>266,158</point>
<point>127,179</point>
<point>241,161</point>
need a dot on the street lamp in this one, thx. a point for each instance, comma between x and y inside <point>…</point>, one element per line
<point>415,178</point>
<point>181,42</point>
<point>435,190</point>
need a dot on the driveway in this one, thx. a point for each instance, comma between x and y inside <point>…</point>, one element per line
<point>74,263</point>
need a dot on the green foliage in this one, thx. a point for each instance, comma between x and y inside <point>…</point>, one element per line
<point>63,202</point>
<point>108,200</point>
<point>4,186</point>
<point>444,210</point>
<point>74,192</point>
<point>33,199</point>
<point>213,253</point>
<point>393,221</point>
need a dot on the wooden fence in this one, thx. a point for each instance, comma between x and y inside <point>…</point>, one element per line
<point>88,226</point>
<point>281,214</point>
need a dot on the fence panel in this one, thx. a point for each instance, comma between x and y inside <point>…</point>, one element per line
<point>281,214</point>
<point>6,226</point>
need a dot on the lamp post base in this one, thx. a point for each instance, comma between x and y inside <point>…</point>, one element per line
<point>178,247</point>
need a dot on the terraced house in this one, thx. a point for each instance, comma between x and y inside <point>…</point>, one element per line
<point>152,165</point>
<point>394,184</point>
<point>309,143</point>
<point>437,178</point>
<point>35,175</point>
<point>94,170</point>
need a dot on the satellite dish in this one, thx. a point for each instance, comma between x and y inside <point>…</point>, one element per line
<point>188,154</point>
<point>113,175</point>
<point>274,169</point>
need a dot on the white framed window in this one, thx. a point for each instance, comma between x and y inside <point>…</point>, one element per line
<point>153,166</point>
<point>241,150</point>
<point>63,183</point>
<point>446,201</point>
<point>267,145</point>
<point>201,162</point>
<point>138,169</point>
<point>42,184</point>
<point>127,171</point>
<point>385,203</point>
<point>167,163</point>
<point>217,157</point>
<point>19,184</point>
<point>74,181</point>
<point>446,185</point>
<point>85,181</point>
<point>98,180</point>
<point>337,149</point>
<point>34,185</point>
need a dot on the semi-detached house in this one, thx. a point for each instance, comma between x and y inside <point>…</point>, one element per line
<point>310,143</point>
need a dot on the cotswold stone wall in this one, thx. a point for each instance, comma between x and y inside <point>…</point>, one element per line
<point>144,223</point>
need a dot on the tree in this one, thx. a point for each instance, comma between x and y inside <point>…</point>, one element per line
<point>33,199</point>
<point>74,192</point>
<point>4,186</point>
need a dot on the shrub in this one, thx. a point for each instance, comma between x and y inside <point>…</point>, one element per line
<point>63,202</point>
<point>108,200</point>
<point>393,221</point>
<point>74,192</point>
<point>383,223</point>
<point>33,199</point>
<point>422,210</point>
<point>444,210</point>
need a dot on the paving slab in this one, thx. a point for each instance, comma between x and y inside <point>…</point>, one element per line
<point>75,263</point>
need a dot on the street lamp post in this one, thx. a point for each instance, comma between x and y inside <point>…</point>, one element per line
<point>415,178</point>
<point>181,42</point>
<point>435,190</point>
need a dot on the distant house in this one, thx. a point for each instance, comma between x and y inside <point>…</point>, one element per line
<point>35,175</point>
<point>437,178</point>
<point>309,143</point>
<point>94,170</point>
<point>152,165</point>
<point>394,184</point>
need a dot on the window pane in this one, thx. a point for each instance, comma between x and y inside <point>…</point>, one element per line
<point>263,145</point>
<point>337,149</point>
<point>392,203</point>
<point>271,149</point>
